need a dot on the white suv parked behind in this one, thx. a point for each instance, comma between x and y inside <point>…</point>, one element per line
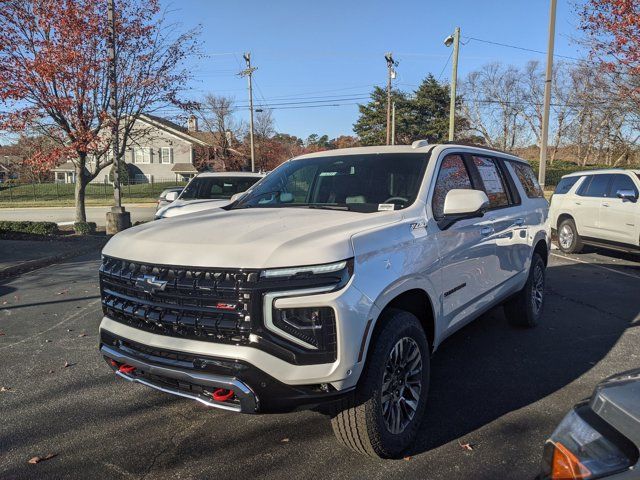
<point>598,207</point>
<point>329,285</point>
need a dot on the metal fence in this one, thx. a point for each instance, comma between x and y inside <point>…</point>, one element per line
<point>34,192</point>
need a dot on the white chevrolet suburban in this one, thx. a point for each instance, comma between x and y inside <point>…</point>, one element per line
<point>597,207</point>
<point>328,285</point>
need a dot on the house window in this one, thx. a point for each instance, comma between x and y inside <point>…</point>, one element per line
<point>166,154</point>
<point>141,155</point>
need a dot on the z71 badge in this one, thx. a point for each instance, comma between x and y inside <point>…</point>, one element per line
<point>418,225</point>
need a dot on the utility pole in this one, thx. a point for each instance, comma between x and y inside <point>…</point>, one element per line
<point>248,72</point>
<point>391,74</point>
<point>118,219</point>
<point>455,41</point>
<point>393,123</point>
<point>542,172</point>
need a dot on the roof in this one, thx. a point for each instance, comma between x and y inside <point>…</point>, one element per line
<point>403,149</point>
<point>601,171</point>
<point>65,167</point>
<point>174,128</point>
<point>184,168</point>
<point>232,174</point>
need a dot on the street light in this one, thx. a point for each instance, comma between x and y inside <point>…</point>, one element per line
<point>455,41</point>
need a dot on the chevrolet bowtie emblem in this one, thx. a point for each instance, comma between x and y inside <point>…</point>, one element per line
<point>150,284</point>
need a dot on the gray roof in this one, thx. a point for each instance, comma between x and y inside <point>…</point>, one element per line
<point>184,168</point>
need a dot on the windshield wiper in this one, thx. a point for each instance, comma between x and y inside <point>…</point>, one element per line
<point>327,207</point>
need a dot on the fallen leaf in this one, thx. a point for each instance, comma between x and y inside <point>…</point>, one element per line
<point>48,456</point>
<point>63,292</point>
<point>51,371</point>
<point>5,302</point>
<point>285,440</point>
<point>5,389</point>
<point>407,458</point>
<point>466,446</point>
<point>67,364</point>
<point>82,335</point>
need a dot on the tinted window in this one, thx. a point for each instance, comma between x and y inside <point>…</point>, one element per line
<point>364,183</point>
<point>453,175</point>
<point>528,179</point>
<point>595,186</point>
<point>621,182</point>
<point>216,187</point>
<point>493,185</point>
<point>565,185</point>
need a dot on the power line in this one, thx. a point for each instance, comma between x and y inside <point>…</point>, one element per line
<point>516,47</point>
<point>445,65</point>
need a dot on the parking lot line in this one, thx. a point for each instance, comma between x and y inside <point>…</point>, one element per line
<point>595,265</point>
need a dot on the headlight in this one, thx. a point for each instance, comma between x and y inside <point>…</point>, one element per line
<point>313,327</point>
<point>577,450</point>
<point>311,269</point>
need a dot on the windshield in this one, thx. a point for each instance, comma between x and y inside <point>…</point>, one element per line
<point>220,188</point>
<point>364,183</point>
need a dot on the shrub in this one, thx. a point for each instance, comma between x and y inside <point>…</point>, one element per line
<point>34,228</point>
<point>84,228</point>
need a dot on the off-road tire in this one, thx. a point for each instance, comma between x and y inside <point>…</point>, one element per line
<point>522,310</point>
<point>358,422</point>
<point>574,245</point>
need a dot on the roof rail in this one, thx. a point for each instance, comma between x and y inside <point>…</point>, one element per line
<point>477,145</point>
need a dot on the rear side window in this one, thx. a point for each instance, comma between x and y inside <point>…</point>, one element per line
<point>621,182</point>
<point>453,175</point>
<point>595,186</point>
<point>565,185</point>
<point>494,186</point>
<point>528,179</point>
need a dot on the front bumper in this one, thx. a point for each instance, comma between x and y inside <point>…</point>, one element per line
<point>197,377</point>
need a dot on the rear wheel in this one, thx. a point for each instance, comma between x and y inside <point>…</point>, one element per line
<point>382,417</point>
<point>525,308</point>
<point>568,239</point>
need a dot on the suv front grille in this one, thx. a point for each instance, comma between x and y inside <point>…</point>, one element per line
<point>200,303</point>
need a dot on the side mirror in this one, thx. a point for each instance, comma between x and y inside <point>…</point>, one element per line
<point>286,197</point>
<point>171,196</point>
<point>460,204</point>
<point>628,195</point>
<point>236,196</point>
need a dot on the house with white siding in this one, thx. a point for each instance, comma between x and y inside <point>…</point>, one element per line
<point>159,151</point>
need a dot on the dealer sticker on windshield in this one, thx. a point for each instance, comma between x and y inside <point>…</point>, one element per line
<point>385,207</point>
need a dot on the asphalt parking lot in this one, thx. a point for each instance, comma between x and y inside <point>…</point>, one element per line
<point>499,389</point>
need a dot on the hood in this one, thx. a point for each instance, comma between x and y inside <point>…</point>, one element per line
<point>247,238</point>
<point>616,401</point>
<point>180,207</point>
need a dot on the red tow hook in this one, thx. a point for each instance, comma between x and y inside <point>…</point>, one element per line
<point>124,368</point>
<point>222,395</point>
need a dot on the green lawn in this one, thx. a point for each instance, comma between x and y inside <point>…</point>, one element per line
<point>55,194</point>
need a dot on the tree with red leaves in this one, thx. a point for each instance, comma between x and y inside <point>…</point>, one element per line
<point>613,29</point>
<point>54,76</point>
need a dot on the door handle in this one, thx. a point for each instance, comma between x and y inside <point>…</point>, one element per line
<point>485,231</point>
<point>519,222</point>
<point>578,203</point>
<point>605,204</point>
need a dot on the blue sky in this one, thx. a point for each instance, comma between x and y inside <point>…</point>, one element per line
<point>335,49</point>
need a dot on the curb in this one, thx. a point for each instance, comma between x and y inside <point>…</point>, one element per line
<point>31,265</point>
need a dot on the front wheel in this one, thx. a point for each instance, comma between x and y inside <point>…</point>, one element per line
<point>382,417</point>
<point>568,239</point>
<point>525,308</point>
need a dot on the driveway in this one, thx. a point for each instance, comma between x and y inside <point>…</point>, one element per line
<point>499,389</point>
<point>66,215</point>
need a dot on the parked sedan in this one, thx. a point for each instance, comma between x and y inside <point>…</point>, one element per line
<point>162,199</point>
<point>206,191</point>
<point>600,437</point>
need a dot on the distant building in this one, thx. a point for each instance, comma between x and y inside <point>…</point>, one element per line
<point>162,151</point>
<point>9,164</point>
